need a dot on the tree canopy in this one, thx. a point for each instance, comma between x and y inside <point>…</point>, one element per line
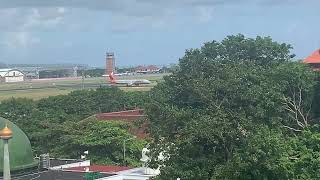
<point>56,124</point>
<point>236,109</point>
<point>240,108</point>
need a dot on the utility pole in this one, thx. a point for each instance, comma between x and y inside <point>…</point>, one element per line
<point>124,150</point>
<point>82,80</point>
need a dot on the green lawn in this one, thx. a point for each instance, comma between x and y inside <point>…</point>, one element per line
<point>39,90</point>
<point>33,94</point>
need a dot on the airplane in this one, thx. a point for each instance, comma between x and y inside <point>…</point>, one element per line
<point>129,82</point>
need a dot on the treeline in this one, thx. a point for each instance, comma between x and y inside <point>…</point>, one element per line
<point>241,108</point>
<point>98,72</point>
<point>56,124</point>
<point>55,73</point>
<point>3,65</point>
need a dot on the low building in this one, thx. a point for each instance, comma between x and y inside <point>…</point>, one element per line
<point>147,69</point>
<point>313,60</point>
<point>11,75</point>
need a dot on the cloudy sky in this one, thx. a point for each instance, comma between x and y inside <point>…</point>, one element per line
<point>145,31</point>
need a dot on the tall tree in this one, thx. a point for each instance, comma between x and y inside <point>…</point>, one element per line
<point>223,98</point>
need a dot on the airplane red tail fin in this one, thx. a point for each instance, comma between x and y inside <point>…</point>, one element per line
<point>111,77</point>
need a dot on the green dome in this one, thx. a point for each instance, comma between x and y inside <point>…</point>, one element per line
<point>20,151</point>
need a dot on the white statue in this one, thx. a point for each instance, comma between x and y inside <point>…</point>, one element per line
<point>144,157</point>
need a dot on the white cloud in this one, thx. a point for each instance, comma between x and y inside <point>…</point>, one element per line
<point>20,40</point>
<point>44,18</point>
<point>46,14</point>
<point>18,24</point>
<point>205,14</point>
<point>61,10</point>
<point>21,18</point>
<point>136,10</point>
<point>24,19</point>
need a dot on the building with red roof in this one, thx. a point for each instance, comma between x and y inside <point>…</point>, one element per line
<point>313,60</point>
<point>147,69</point>
<point>129,116</point>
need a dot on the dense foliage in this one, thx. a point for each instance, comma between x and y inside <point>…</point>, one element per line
<point>56,124</point>
<point>125,70</point>
<point>103,139</point>
<point>55,73</point>
<point>236,109</point>
<point>97,72</point>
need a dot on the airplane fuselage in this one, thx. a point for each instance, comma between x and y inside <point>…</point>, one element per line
<point>133,82</point>
<point>129,82</point>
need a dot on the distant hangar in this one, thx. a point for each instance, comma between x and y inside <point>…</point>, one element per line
<point>11,75</point>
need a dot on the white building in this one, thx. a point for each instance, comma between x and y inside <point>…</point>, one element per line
<point>142,173</point>
<point>11,75</point>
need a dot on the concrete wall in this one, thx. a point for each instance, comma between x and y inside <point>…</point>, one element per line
<point>78,164</point>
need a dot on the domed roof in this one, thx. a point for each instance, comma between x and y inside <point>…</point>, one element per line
<point>20,151</point>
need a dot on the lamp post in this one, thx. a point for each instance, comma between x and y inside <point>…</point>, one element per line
<point>5,135</point>
<point>124,150</point>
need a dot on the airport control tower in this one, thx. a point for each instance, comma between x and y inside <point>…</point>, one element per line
<point>110,63</point>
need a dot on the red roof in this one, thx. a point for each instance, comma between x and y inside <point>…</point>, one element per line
<point>127,116</point>
<point>152,68</point>
<point>147,68</point>
<point>314,58</point>
<point>122,115</point>
<point>97,168</point>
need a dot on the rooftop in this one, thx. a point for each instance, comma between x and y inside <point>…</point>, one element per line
<point>5,70</point>
<point>60,162</point>
<point>54,175</point>
<point>129,115</point>
<point>69,169</point>
<point>97,168</point>
<point>314,58</point>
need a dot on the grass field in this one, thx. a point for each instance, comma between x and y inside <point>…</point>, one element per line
<point>42,89</point>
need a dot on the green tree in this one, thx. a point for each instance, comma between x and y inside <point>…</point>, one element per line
<point>45,119</point>
<point>226,97</point>
<point>104,141</point>
<point>93,72</point>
